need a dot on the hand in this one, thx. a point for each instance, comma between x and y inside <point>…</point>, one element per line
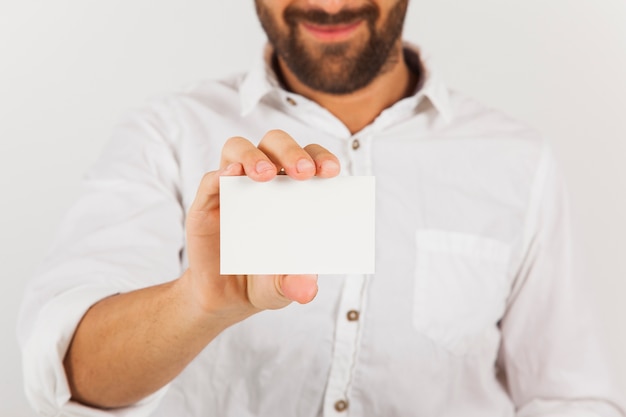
<point>234,297</point>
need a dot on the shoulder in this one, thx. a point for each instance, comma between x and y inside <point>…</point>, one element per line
<point>511,140</point>
<point>473,118</point>
<point>209,90</point>
<point>191,104</point>
<point>497,145</point>
<point>221,95</point>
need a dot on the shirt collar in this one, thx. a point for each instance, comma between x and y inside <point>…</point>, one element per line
<point>261,80</point>
<point>432,86</point>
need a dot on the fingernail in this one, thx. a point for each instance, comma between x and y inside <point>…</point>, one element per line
<point>263,166</point>
<point>304,165</point>
<point>330,166</point>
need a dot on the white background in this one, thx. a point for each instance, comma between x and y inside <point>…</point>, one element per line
<point>69,68</point>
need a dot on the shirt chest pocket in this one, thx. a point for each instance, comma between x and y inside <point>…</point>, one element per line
<point>460,287</point>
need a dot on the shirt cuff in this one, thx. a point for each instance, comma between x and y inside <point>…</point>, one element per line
<point>45,381</point>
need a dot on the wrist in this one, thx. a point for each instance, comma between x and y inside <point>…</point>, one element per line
<point>215,304</point>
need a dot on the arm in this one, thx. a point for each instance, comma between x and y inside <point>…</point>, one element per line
<point>135,343</point>
<point>553,360</point>
<point>130,345</point>
<point>106,286</point>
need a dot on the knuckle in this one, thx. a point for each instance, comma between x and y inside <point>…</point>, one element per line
<point>235,141</point>
<point>316,149</point>
<point>239,149</point>
<point>207,177</point>
<point>319,152</point>
<point>249,154</point>
<point>276,138</point>
<point>279,133</point>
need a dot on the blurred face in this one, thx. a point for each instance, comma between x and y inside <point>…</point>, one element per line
<point>335,47</point>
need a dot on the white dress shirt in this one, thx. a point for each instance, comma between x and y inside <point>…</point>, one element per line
<point>473,310</point>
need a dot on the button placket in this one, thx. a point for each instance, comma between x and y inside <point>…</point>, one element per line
<point>346,345</point>
<point>352,315</point>
<point>359,152</point>
<point>341,406</point>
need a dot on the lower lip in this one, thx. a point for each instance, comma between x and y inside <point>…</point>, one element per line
<point>331,33</point>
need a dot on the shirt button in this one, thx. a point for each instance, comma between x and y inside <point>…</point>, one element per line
<point>356,144</point>
<point>341,405</point>
<point>291,101</point>
<point>353,315</point>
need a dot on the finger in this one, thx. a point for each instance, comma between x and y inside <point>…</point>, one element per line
<point>264,292</point>
<point>207,196</point>
<point>299,288</point>
<point>326,164</point>
<point>285,152</point>
<point>271,292</point>
<point>256,164</point>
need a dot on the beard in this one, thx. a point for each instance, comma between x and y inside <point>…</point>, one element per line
<point>341,67</point>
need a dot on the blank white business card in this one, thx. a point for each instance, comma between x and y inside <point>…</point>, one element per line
<point>285,226</point>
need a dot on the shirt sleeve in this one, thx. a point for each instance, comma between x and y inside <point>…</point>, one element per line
<point>553,361</point>
<point>125,232</point>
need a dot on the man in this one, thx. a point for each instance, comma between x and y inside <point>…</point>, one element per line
<point>473,309</point>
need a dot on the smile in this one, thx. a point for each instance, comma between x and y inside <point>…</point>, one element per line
<point>332,33</point>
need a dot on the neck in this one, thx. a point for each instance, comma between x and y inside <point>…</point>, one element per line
<point>359,108</point>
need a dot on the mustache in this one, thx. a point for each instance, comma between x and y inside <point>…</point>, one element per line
<point>294,15</point>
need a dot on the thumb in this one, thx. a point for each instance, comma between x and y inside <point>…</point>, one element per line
<point>299,288</point>
<point>271,292</point>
